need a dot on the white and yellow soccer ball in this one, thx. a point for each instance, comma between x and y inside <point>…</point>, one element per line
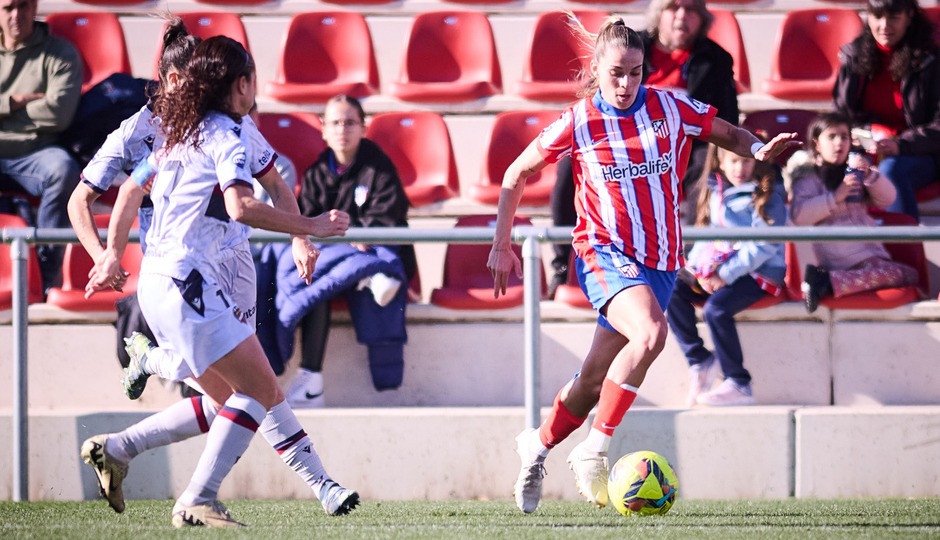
<point>642,483</point>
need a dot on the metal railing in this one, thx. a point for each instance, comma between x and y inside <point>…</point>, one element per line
<point>531,238</point>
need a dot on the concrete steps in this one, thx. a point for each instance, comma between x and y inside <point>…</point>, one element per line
<point>468,453</point>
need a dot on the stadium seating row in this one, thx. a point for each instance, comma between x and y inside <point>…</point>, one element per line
<point>466,285</point>
<point>451,56</point>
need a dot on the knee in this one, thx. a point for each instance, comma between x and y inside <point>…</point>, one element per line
<point>712,312</point>
<point>652,338</point>
<point>61,171</point>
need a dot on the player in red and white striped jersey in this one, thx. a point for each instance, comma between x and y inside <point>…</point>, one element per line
<point>630,147</point>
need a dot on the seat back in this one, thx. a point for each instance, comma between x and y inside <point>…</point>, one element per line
<point>33,276</point>
<point>207,24</point>
<point>726,32</point>
<point>772,122</point>
<point>77,262</point>
<point>450,47</point>
<point>328,48</point>
<point>418,143</point>
<point>511,133</point>
<point>805,59</point>
<point>99,39</point>
<point>465,264</point>
<point>557,55</point>
<point>909,253</point>
<point>298,135</point>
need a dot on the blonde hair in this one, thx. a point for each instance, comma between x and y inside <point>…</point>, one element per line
<point>613,33</point>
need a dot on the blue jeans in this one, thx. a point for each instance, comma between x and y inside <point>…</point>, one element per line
<point>51,174</point>
<point>718,311</point>
<point>908,174</point>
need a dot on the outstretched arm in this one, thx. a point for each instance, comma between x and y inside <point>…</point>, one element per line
<point>107,272</point>
<point>502,260</point>
<point>744,143</point>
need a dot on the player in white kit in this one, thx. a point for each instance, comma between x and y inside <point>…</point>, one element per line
<point>179,289</point>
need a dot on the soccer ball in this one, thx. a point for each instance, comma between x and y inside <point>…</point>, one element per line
<point>642,483</point>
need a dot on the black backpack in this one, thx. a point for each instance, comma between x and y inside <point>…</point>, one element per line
<point>101,111</point>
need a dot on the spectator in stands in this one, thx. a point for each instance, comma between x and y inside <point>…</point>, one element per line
<point>726,278</point>
<point>889,80</point>
<point>679,57</point>
<point>353,175</point>
<point>625,141</point>
<point>40,86</point>
<point>830,189</point>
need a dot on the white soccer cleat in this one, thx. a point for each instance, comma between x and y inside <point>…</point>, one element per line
<point>727,394</point>
<point>528,488</point>
<point>306,390</point>
<point>701,379</point>
<point>590,474</point>
<point>110,472</point>
<point>138,346</point>
<point>214,515</point>
<point>337,500</point>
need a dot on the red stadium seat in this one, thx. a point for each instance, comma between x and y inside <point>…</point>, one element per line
<point>324,54</point>
<point>556,56</point>
<point>111,2</point>
<point>298,135</point>
<point>511,133</point>
<point>726,32</point>
<point>33,277</point>
<point>100,42</point>
<point>933,15</point>
<point>467,283</point>
<point>359,2</point>
<point>911,254</point>
<point>230,3</point>
<point>769,123</point>
<point>206,24</point>
<point>450,57</point>
<point>805,61</point>
<point>419,145</point>
<point>75,267</point>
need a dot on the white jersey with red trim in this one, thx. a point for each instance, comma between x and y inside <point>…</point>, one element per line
<point>628,168</point>
<point>189,218</point>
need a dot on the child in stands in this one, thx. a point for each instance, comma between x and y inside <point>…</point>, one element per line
<point>726,278</point>
<point>831,190</point>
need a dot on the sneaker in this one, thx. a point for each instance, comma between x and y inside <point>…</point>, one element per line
<point>306,390</point>
<point>138,346</point>
<point>338,501</point>
<point>110,472</point>
<point>728,393</point>
<point>213,514</point>
<point>590,473</point>
<point>528,488</point>
<point>701,379</point>
<point>816,284</point>
<point>384,288</point>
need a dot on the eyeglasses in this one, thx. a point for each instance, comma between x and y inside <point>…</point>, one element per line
<point>343,124</point>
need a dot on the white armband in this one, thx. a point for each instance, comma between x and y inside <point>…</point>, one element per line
<point>755,147</point>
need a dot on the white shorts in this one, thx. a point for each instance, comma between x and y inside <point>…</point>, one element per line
<point>237,279</point>
<point>195,320</point>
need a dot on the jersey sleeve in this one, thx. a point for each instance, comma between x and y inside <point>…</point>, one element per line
<point>231,159</point>
<point>696,116</point>
<point>554,142</point>
<point>261,156</point>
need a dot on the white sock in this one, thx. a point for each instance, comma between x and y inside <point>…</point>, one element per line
<point>597,441</point>
<point>284,433</point>
<point>180,421</point>
<point>162,363</point>
<point>229,436</point>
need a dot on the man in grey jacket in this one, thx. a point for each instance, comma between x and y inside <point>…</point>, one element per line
<point>40,86</point>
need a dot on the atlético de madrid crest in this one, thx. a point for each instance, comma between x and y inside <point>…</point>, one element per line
<point>659,126</point>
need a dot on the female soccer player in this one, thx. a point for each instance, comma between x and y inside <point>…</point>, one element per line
<point>190,312</point>
<point>629,146</point>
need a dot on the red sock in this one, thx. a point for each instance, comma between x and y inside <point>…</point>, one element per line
<point>614,402</point>
<point>559,424</point>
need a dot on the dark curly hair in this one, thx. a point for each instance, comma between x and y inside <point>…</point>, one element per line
<point>910,52</point>
<point>216,64</point>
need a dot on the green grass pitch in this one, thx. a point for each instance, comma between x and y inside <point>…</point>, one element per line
<point>792,518</point>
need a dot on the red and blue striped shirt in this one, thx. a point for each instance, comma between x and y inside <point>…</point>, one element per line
<point>628,168</point>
